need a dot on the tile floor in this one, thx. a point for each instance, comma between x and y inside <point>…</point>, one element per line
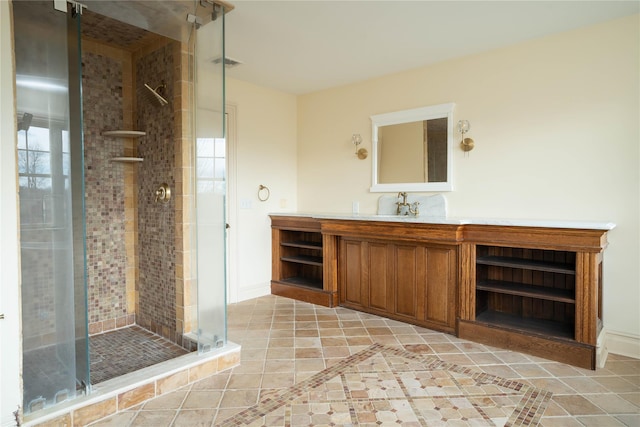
<point>129,349</point>
<point>286,342</point>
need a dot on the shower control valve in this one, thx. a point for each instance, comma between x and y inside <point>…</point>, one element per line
<point>163,193</point>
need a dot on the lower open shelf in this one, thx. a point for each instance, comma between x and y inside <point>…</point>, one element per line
<point>503,331</point>
<point>527,325</point>
<point>306,282</point>
<point>304,289</point>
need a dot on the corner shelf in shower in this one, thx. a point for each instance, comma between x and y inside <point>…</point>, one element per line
<point>127,159</point>
<point>125,134</point>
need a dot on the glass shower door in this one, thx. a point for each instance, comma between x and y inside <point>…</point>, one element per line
<point>211,184</point>
<point>50,168</point>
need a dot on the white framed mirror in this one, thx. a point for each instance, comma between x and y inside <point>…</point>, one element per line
<point>413,150</point>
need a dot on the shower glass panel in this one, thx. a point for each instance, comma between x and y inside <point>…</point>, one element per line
<point>211,184</point>
<point>55,353</point>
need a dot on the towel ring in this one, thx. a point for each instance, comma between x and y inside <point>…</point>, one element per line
<point>263,193</point>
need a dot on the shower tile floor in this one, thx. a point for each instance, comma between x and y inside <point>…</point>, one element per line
<point>112,354</point>
<point>129,349</point>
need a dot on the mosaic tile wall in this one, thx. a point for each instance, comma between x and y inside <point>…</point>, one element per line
<point>156,287</point>
<point>104,188</point>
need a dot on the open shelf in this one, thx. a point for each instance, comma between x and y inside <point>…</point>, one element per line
<point>124,133</point>
<point>303,259</point>
<point>127,159</point>
<point>298,268</point>
<point>307,282</point>
<point>527,264</point>
<point>303,245</point>
<point>527,325</point>
<point>526,291</point>
<point>519,289</point>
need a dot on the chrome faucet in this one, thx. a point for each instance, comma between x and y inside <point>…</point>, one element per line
<point>405,208</point>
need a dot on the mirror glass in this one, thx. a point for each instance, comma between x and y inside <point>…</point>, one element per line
<point>412,149</point>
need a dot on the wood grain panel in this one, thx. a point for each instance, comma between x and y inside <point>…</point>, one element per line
<point>409,279</point>
<point>313,296</point>
<point>393,231</point>
<point>564,351</point>
<point>466,282</point>
<point>441,286</point>
<point>587,284</point>
<point>563,239</point>
<point>351,283</point>
<point>379,267</point>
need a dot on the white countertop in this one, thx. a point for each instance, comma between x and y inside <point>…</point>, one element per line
<point>583,225</point>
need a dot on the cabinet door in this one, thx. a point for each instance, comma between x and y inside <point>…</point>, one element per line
<point>378,275</point>
<point>409,289</point>
<point>440,293</point>
<point>425,285</point>
<point>366,275</point>
<point>352,290</point>
<point>409,282</point>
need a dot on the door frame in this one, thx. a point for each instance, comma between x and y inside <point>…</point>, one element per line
<point>10,357</point>
<point>231,137</point>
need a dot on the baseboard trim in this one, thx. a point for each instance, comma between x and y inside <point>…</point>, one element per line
<point>622,343</point>
<point>258,291</point>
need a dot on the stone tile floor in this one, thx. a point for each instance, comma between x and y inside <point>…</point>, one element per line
<point>286,342</point>
<point>143,348</point>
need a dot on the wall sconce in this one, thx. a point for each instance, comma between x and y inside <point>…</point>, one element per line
<point>362,153</point>
<point>466,143</point>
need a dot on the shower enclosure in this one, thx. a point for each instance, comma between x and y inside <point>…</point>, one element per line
<point>122,196</point>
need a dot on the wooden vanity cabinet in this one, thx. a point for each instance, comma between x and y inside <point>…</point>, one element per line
<point>537,290</point>
<point>298,261</point>
<point>407,272</point>
<point>410,282</point>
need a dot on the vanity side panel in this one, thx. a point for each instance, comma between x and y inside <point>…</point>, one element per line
<point>330,265</point>
<point>467,282</point>
<point>275,254</point>
<point>587,297</point>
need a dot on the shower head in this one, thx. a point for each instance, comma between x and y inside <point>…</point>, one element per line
<point>155,95</point>
<point>25,123</point>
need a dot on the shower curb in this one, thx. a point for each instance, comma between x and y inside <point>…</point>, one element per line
<point>116,395</point>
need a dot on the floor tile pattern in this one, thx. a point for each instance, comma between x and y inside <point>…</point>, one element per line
<point>125,350</point>
<point>286,342</point>
<point>382,385</point>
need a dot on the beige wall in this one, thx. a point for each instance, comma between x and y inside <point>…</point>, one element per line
<point>265,155</point>
<point>556,127</point>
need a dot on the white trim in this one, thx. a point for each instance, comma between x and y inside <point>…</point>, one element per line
<point>622,343</point>
<point>601,350</point>
<point>259,290</point>
<point>11,354</point>
<point>232,203</point>
<point>406,116</point>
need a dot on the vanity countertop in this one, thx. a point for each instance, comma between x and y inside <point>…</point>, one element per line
<point>582,225</point>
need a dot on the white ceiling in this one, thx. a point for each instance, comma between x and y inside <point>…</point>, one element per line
<point>304,46</point>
